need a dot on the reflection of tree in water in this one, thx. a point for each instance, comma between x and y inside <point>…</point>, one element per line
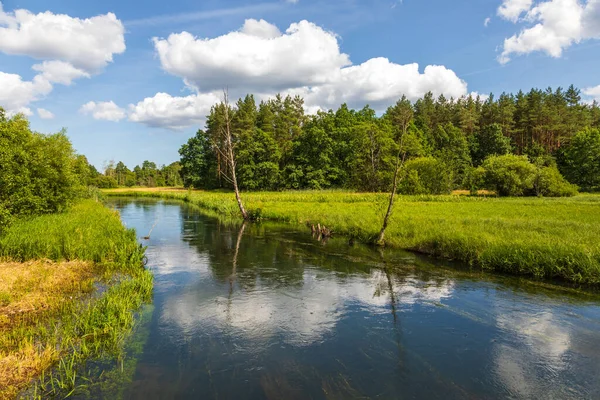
<point>257,257</point>
<point>234,262</point>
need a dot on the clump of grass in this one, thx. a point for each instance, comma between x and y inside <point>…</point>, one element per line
<point>51,323</point>
<point>98,332</point>
<point>545,238</point>
<point>88,231</point>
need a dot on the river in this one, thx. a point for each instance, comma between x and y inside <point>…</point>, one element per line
<point>265,311</point>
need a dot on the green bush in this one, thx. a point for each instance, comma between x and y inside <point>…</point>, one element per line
<point>512,175</point>
<point>106,182</point>
<point>426,175</point>
<point>508,175</point>
<point>39,173</point>
<point>549,182</point>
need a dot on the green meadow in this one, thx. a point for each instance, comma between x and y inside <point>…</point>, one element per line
<point>543,238</point>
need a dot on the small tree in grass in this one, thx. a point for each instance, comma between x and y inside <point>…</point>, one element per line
<point>401,116</point>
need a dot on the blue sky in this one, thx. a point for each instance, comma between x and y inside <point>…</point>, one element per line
<point>347,51</point>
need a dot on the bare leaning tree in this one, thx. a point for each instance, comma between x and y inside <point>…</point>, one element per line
<point>401,115</point>
<point>225,148</point>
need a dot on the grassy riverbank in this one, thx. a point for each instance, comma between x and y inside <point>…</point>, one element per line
<point>69,286</point>
<point>550,238</point>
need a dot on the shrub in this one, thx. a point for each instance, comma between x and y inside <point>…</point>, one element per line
<point>105,182</point>
<point>550,183</point>
<point>38,172</point>
<point>511,175</point>
<point>426,175</point>
<point>508,175</point>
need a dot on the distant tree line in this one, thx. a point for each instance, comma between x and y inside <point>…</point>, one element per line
<point>519,144</point>
<point>148,175</point>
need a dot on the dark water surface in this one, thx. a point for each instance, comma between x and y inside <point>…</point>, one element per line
<point>267,312</point>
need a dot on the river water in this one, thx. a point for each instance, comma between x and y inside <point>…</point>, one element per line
<point>261,311</point>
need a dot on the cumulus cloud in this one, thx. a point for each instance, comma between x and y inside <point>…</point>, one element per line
<point>59,72</point>
<point>593,92</point>
<point>261,29</point>
<point>380,82</point>
<point>305,60</point>
<point>106,110</point>
<point>554,26</point>
<point>88,44</point>
<point>45,114</point>
<point>487,21</point>
<point>16,93</point>
<point>72,47</point>
<point>512,9</point>
<point>166,111</point>
<point>305,55</point>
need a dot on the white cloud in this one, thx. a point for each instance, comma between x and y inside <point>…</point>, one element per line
<point>45,114</point>
<point>21,110</point>
<point>558,24</point>
<point>72,47</point>
<point>591,19</point>
<point>106,110</point>
<point>88,44</point>
<point>261,29</point>
<point>59,72</point>
<point>512,9</point>
<point>487,21</point>
<point>380,83</point>
<point>593,92</point>
<point>16,93</point>
<point>305,55</point>
<point>305,60</point>
<point>166,111</point>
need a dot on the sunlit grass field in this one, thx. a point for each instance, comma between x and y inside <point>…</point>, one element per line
<point>550,238</point>
<point>52,319</point>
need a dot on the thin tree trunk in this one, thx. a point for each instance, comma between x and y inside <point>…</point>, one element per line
<point>237,196</point>
<point>399,164</point>
<point>381,237</point>
<point>231,158</point>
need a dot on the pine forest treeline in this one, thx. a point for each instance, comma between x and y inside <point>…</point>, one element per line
<point>512,144</point>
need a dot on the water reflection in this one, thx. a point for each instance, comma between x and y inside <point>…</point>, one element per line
<point>260,312</point>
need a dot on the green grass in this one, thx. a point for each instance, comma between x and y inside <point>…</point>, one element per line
<point>57,262</point>
<point>549,238</point>
<point>88,232</point>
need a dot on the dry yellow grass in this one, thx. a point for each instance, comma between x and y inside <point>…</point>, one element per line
<point>17,369</point>
<point>30,294</point>
<point>479,193</point>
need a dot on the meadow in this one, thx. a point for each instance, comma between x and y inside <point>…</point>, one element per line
<point>543,238</point>
<point>70,284</point>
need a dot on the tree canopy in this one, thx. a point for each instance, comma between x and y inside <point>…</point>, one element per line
<point>279,147</point>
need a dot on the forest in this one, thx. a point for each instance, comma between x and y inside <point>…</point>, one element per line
<point>519,144</point>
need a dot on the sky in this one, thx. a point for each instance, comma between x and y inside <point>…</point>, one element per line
<point>132,82</point>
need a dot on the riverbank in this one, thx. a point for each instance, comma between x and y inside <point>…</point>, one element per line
<point>544,238</point>
<point>70,284</point>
